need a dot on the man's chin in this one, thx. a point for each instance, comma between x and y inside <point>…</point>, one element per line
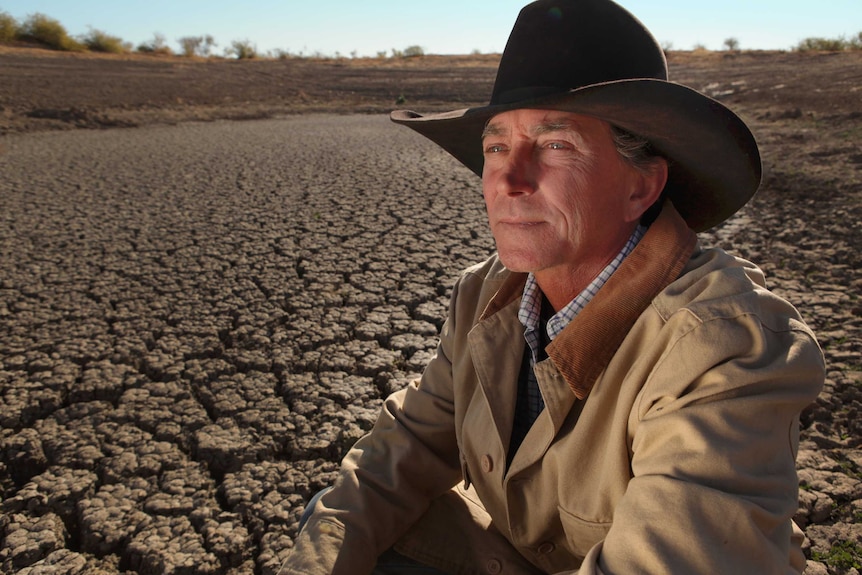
<point>515,262</point>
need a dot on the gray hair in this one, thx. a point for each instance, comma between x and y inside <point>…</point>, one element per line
<point>636,150</point>
<point>639,153</point>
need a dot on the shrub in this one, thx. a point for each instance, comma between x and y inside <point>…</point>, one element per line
<point>843,555</point>
<point>809,44</point>
<point>49,32</point>
<point>99,41</point>
<point>155,46</point>
<point>731,44</point>
<point>242,50</point>
<point>8,27</point>
<point>830,44</point>
<point>413,51</point>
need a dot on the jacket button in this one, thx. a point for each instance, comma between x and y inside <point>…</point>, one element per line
<point>546,548</point>
<point>487,464</point>
<point>494,566</point>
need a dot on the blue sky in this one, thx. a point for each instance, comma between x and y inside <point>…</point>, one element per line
<point>438,26</point>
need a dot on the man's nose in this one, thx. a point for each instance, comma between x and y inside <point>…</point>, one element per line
<point>519,176</point>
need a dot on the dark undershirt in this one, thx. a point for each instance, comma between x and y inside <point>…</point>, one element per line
<point>527,383</point>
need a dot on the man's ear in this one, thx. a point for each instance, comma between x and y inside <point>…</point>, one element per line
<point>648,188</point>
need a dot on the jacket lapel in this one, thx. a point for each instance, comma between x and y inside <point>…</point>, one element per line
<point>497,347</point>
<point>559,401</point>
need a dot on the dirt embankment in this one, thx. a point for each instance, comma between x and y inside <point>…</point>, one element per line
<point>42,89</point>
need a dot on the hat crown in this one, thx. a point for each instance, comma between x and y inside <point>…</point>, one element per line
<point>561,45</point>
<point>593,57</point>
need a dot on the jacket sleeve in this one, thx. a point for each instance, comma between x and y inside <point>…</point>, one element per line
<point>388,479</point>
<point>713,438</point>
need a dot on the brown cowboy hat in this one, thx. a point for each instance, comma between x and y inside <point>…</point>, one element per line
<point>593,57</point>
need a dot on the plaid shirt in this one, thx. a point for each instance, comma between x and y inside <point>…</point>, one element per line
<point>530,402</point>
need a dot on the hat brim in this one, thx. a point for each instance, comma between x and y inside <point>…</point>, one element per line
<point>715,163</point>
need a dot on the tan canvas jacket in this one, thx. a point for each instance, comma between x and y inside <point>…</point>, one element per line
<point>667,444</point>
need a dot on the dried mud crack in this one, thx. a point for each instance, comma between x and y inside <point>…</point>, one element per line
<point>196,321</point>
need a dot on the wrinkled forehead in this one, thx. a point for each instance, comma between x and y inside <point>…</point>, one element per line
<point>537,121</point>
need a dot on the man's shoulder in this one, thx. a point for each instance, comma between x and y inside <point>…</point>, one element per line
<point>716,284</point>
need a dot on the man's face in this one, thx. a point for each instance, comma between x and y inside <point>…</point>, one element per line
<point>560,198</point>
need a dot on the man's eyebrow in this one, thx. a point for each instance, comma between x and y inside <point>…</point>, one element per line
<point>492,130</point>
<point>551,126</point>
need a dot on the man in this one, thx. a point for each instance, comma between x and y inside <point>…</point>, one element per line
<point>607,396</point>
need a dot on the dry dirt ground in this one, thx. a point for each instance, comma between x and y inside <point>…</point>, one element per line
<point>79,492</point>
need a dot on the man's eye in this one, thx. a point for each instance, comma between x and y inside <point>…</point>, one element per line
<point>556,146</point>
<point>493,148</point>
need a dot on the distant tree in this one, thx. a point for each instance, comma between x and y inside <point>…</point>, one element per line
<point>208,45</point>
<point>196,45</point>
<point>731,44</point>
<point>189,45</point>
<point>8,27</point>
